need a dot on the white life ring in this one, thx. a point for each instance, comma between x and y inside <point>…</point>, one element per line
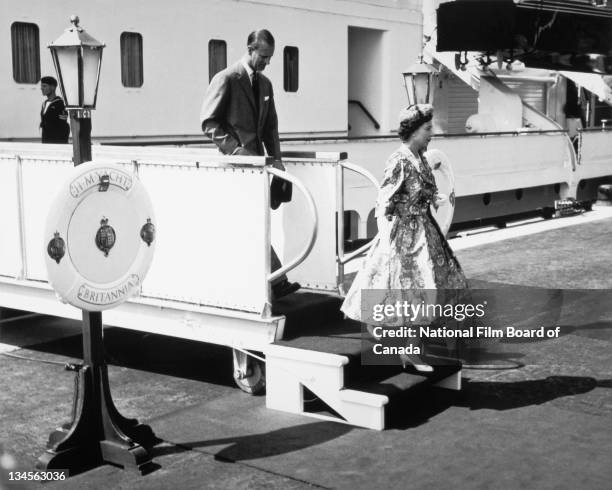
<point>100,237</point>
<point>445,180</point>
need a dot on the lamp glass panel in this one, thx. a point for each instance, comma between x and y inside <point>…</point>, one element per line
<point>409,83</point>
<point>91,58</point>
<point>67,59</point>
<point>421,83</point>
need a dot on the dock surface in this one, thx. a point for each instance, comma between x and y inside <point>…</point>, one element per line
<point>541,419</point>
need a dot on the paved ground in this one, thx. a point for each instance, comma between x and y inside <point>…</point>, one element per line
<point>547,424</point>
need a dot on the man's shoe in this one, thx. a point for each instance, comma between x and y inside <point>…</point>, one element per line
<point>284,288</point>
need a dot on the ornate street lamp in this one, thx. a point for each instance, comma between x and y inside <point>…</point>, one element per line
<point>420,81</point>
<point>98,433</point>
<point>77,57</point>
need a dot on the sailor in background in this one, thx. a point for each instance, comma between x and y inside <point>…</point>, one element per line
<point>239,116</point>
<point>53,115</point>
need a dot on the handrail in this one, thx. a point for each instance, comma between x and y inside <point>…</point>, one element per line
<point>366,112</point>
<point>23,271</point>
<point>343,259</point>
<point>313,234</point>
<point>594,129</point>
<point>518,132</point>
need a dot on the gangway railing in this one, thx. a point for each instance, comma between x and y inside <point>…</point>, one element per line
<point>343,258</point>
<point>323,173</point>
<point>313,231</point>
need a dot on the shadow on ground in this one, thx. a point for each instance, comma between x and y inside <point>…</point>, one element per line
<point>256,446</point>
<point>159,354</point>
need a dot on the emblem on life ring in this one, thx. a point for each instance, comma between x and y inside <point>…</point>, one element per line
<point>57,247</point>
<point>105,238</point>
<point>147,232</point>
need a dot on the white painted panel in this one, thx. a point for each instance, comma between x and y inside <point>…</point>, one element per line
<point>10,256</point>
<point>41,179</point>
<point>211,230</point>
<point>595,155</point>
<point>210,235</point>
<point>506,161</point>
<point>319,269</point>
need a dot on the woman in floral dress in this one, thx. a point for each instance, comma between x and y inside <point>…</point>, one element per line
<point>410,258</point>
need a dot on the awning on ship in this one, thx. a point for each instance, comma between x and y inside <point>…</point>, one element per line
<point>541,34</point>
<point>592,82</point>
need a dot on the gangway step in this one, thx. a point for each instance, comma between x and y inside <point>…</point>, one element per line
<point>409,379</point>
<point>326,361</point>
<point>306,311</point>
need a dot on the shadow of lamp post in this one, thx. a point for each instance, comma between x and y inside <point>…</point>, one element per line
<point>98,433</point>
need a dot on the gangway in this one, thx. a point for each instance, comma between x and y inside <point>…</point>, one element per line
<point>210,278</point>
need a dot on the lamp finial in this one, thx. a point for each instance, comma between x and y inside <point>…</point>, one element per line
<point>74,20</point>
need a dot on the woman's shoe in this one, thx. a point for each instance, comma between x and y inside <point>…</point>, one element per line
<point>416,362</point>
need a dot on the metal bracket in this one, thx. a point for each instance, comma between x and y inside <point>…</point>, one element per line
<point>104,183</point>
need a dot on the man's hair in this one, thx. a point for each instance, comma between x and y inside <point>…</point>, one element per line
<point>49,81</point>
<point>261,35</point>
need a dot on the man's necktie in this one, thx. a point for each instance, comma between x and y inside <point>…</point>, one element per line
<point>256,89</point>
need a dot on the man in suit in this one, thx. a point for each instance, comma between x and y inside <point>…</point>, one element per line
<point>239,116</point>
<point>53,116</point>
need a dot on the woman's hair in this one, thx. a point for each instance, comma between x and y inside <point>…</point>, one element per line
<point>412,118</point>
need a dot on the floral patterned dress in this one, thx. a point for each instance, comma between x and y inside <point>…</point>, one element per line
<point>409,259</point>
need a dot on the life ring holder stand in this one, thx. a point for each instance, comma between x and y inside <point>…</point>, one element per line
<point>98,433</point>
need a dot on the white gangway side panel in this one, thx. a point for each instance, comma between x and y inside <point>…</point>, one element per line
<point>10,259</point>
<point>595,154</point>
<point>212,246</point>
<point>211,235</point>
<point>318,271</point>
<point>41,178</point>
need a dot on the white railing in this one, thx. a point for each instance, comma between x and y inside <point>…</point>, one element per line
<point>292,264</point>
<point>342,257</point>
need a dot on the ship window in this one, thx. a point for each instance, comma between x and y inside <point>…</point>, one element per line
<point>290,68</point>
<point>26,52</point>
<point>217,57</point>
<point>131,59</point>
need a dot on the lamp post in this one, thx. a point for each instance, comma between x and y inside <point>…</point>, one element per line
<point>78,58</point>
<point>98,433</point>
<point>420,81</point>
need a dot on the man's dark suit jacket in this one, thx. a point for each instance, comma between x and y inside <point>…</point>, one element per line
<point>54,129</point>
<point>229,114</point>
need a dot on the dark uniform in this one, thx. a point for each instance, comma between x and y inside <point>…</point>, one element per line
<point>54,129</point>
